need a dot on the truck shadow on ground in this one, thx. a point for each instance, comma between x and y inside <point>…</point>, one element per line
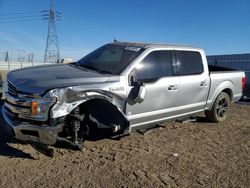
<point>7,150</point>
<point>99,135</point>
<point>200,119</point>
<point>5,140</point>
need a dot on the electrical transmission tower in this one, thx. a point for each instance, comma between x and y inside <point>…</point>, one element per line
<point>52,54</point>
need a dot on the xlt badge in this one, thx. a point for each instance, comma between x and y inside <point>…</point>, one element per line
<point>116,89</point>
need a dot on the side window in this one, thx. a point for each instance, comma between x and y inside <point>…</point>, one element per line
<point>189,62</point>
<point>154,66</point>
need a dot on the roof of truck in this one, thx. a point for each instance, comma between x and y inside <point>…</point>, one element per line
<point>149,45</point>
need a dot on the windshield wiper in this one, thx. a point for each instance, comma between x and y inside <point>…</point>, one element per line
<point>77,66</point>
<point>95,69</point>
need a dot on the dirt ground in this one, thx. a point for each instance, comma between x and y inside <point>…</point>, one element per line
<point>196,154</point>
<point>3,74</point>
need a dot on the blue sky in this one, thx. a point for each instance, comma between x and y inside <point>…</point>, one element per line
<point>218,26</point>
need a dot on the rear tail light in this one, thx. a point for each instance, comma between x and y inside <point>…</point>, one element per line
<point>243,82</point>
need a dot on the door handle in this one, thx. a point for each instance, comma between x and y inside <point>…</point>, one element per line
<point>203,84</point>
<point>172,87</point>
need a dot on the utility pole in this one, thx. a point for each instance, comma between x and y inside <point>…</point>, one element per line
<point>11,55</point>
<point>52,54</point>
<point>30,57</point>
<point>21,56</point>
<point>6,58</point>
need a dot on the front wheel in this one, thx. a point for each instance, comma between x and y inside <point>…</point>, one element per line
<point>219,111</point>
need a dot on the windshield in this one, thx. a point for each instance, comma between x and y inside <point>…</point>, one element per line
<point>110,58</point>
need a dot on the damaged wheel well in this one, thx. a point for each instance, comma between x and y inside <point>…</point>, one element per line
<point>104,114</point>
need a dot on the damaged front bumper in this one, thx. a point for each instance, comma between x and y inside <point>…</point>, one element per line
<point>27,131</point>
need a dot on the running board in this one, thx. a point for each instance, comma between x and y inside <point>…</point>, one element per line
<point>191,119</point>
<point>150,129</point>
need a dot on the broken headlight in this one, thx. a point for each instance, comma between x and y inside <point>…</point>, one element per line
<point>41,106</point>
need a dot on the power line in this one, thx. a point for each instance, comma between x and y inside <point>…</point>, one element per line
<point>20,13</point>
<point>29,15</point>
<point>44,15</point>
<point>23,20</point>
<point>20,18</point>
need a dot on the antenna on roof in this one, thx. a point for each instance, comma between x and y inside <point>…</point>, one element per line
<point>115,40</point>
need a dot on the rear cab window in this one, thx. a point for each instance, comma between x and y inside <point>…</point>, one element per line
<point>189,62</point>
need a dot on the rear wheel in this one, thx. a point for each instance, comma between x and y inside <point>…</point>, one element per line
<point>219,111</point>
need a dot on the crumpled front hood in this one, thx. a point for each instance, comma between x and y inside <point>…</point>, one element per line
<point>39,79</point>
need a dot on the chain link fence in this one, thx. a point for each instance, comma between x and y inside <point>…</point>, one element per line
<point>17,65</point>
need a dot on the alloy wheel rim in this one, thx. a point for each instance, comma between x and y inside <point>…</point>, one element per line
<point>222,107</point>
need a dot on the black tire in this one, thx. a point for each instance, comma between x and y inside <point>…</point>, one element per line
<point>219,111</point>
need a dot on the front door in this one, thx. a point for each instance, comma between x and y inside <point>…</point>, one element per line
<point>162,89</point>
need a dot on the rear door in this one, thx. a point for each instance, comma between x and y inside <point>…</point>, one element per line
<point>162,88</point>
<point>194,81</point>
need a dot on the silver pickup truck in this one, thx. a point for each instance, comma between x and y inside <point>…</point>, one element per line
<point>116,89</point>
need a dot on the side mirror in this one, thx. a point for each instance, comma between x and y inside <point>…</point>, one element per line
<point>141,94</point>
<point>138,92</point>
<point>134,82</point>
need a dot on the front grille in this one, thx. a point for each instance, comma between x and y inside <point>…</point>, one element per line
<point>19,105</point>
<point>10,113</point>
<point>16,106</point>
<point>12,90</point>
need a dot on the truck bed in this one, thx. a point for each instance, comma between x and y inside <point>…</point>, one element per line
<point>217,69</point>
<point>213,68</point>
<point>219,77</point>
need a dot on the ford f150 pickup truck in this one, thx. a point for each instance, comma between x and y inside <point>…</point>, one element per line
<point>118,88</point>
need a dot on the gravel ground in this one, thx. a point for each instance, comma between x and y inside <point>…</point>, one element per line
<point>195,154</point>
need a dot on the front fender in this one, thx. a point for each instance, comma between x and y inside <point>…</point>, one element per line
<point>70,98</point>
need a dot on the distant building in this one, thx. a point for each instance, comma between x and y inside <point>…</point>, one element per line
<point>233,61</point>
<point>67,60</point>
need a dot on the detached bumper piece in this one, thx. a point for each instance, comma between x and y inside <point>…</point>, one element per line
<point>44,149</point>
